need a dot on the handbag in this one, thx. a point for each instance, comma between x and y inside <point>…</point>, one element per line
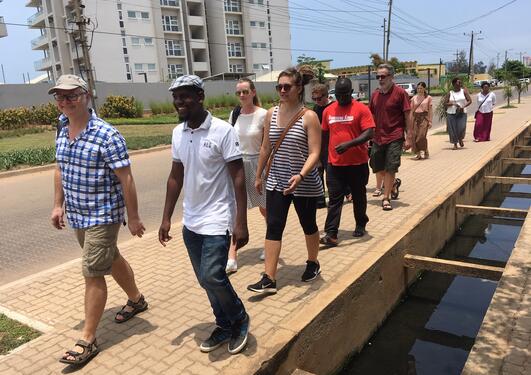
<point>274,150</point>
<point>477,111</point>
<point>459,110</point>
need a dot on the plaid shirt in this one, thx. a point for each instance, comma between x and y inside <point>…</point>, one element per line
<point>93,193</point>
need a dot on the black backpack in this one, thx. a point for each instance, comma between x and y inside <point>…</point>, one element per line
<point>235,114</point>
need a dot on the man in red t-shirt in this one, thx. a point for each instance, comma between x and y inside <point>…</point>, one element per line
<point>350,126</point>
<point>390,107</point>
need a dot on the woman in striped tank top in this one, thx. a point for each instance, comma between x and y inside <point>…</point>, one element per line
<point>293,176</point>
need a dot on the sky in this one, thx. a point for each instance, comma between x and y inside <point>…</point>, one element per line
<point>349,31</point>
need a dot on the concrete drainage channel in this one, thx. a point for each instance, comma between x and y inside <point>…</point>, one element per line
<point>366,300</point>
<point>434,329</point>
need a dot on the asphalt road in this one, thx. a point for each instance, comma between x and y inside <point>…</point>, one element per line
<point>28,242</point>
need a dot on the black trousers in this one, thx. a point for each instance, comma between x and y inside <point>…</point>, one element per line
<point>338,179</point>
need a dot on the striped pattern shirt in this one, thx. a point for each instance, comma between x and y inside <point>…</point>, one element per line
<point>93,194</point>
<point>289,160</point>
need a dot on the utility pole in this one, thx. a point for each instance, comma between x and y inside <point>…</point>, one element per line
<point>497,60</point>
<point>471,57</point>
<point>384,34</point>
<point>369,83</point>
<point>81,23</point>
<point>386,58</point>
<point>440,67</point>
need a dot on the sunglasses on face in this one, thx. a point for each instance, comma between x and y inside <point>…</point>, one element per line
<point>242,92</point>
<point>382,76</point>
<point>317,98</point>
<point>283,87</point>
<point>69,97</point>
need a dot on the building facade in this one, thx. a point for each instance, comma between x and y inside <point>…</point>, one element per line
<point>159,40</point>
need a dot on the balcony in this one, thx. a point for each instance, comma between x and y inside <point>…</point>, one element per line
<point>43,64</point>
<point>196,21</point>
<point>200,66</point>
<point>37,20</point>
<point>34,3</point>
<point>172,4</point>
<point>198,44</point>
<point>40,42</point>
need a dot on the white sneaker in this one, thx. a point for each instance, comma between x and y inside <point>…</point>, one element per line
<point>262,255</point>
<point>231,267</point>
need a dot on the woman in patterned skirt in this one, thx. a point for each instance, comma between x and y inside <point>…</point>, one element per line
<point>248,121</point>
<point>293,175</point>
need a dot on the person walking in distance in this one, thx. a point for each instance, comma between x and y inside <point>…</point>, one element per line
<point>422,112</point>
<point>291,147</point>
<point>390,107</point>
<point>486,102</point>
<point>248,121</point>
<point>93,180</point>
<point>321,100</point>
<point>207,165</point>
<point>456,102</point>
<point>350,126</point>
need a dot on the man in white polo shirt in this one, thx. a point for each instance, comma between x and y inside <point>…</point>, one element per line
<point>207,161</point>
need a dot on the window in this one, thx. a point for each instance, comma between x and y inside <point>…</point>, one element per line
<point>128,76</point>
<point>256,66</point>
<point>123,42</point>
<point>235,49</point>
<point>232,6</point>
<point>144,15</point>
<point>233,27</point>
<point>171,3</point>
<point>175,70</point>
<point>134,15</point>
<point>148,41</point>
<point>125,51</point>
<point>119,6</point>
<point>120,15</point>
<point>262,24</point>
<point>126,59</point>
<point>173,48</point>
<point>135,41</point>
<point>127,68</point>
<point>258,45</point>
<point>121,23</point>
<point>236,68</point>
<point>138,67</point>
<point>152,67</point>
<point>170,23</point>
<point>131,14</point>
<point>253,23</point>
<point>259,2</point>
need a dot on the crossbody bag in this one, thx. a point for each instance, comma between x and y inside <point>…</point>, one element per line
<point>484,100</point>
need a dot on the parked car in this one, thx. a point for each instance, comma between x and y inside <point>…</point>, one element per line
<point>410,88</point>
<point>524,80</point>
<point>355,95</point>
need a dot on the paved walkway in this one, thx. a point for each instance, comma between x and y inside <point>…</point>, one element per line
<point>165,338</point>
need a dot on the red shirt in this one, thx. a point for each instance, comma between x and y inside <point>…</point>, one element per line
<point>344,124</point>
<point>389,114</point>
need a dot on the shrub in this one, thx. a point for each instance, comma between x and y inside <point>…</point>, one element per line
<point>119,106</point>
<point>139,106</point>
<point>46,114</point>
<point>168,108</point>
<point>14,118</point>
<point>30,156</point>
<point>156,108</point>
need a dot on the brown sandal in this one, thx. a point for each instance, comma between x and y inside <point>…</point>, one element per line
<point>138,307</point>
<point>89,351</point>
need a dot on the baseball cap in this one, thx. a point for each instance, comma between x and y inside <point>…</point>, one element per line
<point>187,80</point>
<point>343,85</point>
<point>69,82</point>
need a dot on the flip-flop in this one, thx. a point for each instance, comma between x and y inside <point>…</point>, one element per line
<point>377,192</point>
<point>396,186</point>
<point>386,204</point>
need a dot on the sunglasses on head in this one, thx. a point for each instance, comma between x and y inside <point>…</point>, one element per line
<point>242,92</point>
<point>382,76</point>
<point>283,87</point>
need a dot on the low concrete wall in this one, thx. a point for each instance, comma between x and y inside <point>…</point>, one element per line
<point>345,320</point>
<point>28,95</point>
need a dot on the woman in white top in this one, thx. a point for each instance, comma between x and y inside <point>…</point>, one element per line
<point>249,125</point>
<point>486,103</point>
<point>456,102</point>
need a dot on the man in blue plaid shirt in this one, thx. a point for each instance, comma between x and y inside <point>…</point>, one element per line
<point>94,182</point>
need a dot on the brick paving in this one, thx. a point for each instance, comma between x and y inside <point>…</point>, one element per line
<point>165,338</point>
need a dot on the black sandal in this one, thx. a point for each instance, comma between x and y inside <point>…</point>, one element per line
<point>386,204</point>
<point>138,307</point>
<point>394,190</point>
<point>89,351</point>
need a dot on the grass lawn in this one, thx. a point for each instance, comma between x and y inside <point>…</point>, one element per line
<point>14,334</point>
<point>46,139</point>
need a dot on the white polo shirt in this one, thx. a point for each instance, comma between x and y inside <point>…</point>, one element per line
<point>209,205</point>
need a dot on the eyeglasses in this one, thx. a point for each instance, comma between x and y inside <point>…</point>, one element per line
<point>69,97</point>
<point>242,92</point>
<point>283,87</point>
<point>317,98</point>
<point>382,76</point>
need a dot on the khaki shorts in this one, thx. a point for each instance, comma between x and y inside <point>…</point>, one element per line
<point>99,249</point>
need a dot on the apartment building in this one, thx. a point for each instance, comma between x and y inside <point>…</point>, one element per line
<point>158,40</point>
<point>3,28</point>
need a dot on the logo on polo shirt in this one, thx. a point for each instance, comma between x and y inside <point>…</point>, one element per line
<point>237,144</point>
<point>335,119</point>
<point>207,143</point>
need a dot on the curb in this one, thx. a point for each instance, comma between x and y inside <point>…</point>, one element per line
<point>47,167</point>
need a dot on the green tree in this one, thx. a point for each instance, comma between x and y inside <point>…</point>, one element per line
<point>460,65</point>
<point>317,66</point>
<point>376,60</point>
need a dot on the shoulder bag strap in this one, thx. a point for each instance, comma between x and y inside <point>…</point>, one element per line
<point>292,122</point>
<point>484,100</point>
